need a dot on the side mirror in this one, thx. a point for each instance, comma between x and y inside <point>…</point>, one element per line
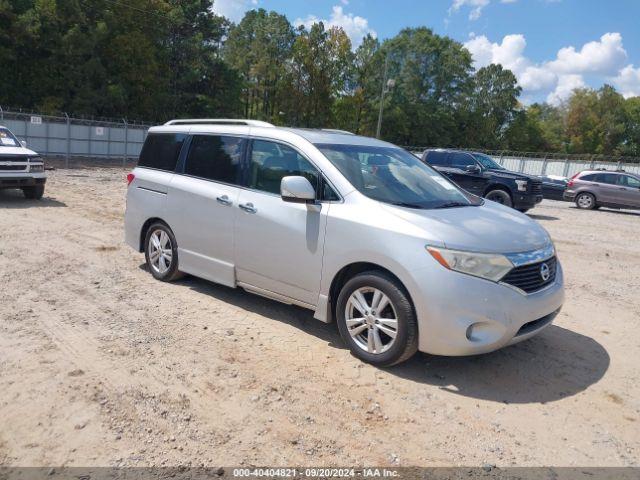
<point>472,169</point>
<point>23,143</point>
<point>297,189</point>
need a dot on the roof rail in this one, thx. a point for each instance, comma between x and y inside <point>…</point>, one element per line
<point>219,121</point>
<point>335,130</point>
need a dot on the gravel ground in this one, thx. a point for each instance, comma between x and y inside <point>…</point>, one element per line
<point>100,365</point>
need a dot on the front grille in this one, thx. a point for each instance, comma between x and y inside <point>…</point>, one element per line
<point>19,168</point>
<point>13,158</point>
<point>536,187</point>
<point>529,277</point>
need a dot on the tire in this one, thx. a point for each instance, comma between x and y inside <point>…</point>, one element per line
<point>499,196</point>
<point>392,350</point>
<point>164,269</point>
<point>523,210</point>
<point>33,193</point>
<point>586,201</point>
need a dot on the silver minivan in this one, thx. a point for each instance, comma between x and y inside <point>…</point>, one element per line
<point>355,229</point>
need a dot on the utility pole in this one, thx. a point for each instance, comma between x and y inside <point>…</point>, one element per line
<point>384,87</point>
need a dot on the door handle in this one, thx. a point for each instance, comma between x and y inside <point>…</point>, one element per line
<point>224,200</point>
<point>248,207</point>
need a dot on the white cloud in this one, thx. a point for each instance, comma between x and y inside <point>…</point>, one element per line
<point>355,27</point>
<point>234,10</point>
<point>605,56</point>
<point>476,7</point>
<point>628,81</point>
<point>566,85</point>
<point>559,77</point>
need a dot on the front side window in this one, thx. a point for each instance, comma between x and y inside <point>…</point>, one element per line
<point>627,181</point>
<point>7,139</point>
<point>487,162</point>
<point>271,161</point>
<point>161,151</point>
<point>461,160</point>
<point>215,157</point>
<point>392,175</point>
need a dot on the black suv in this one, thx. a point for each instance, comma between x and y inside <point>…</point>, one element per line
<point>481,175</point>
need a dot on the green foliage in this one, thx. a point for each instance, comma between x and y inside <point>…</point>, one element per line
<point>160,59</point>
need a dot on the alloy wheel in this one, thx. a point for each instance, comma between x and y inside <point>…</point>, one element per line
<point>371,320</point>
<point>160,251</point>
<point>585,201</point>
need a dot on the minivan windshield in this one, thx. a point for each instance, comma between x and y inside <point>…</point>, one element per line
<point>487,162</point>
<point>392,175</point>
<point>7,139</point>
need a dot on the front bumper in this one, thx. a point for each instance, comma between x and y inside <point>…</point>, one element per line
<point>463,315</point>
<point>524,200</point>
<point>24,180</point>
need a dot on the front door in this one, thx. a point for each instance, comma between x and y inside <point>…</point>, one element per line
<point>628,191</point>
<point>473,182</point>
<point>201,206</point>
<point>278,244</point>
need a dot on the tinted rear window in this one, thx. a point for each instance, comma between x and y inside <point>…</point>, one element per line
<point>437,158</point>
<point>215,157</point>
<point>591,177</point>
<point>161,151</point>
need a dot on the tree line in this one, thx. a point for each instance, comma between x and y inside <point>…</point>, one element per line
<point>159,59</point>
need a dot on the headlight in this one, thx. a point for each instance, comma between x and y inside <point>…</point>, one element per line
<point>484,265</point>
<point>36,168</point>
<point>522,185</point>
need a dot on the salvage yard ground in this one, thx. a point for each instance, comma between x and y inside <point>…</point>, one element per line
<point>102,365</point>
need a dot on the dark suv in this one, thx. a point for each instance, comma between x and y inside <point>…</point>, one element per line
<point>593,189</point>
<point>481,175</point>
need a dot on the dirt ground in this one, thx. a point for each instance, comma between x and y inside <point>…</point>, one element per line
<point>100,365</point>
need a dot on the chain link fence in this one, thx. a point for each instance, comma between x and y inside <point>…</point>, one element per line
<point>556,164</point>
<point>66,139</point>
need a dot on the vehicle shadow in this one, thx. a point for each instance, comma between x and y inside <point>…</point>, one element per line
<point>15,199</point>
<point>556,364</point>
<point>615,211</point>
<point>542,217</point>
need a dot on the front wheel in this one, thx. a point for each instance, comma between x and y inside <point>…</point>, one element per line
<point>499,196</point>
<point>376,319</point>
<point>161,253</point>
<point>33,193</point>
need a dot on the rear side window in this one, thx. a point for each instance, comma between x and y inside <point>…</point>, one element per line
<point>437,158</point>
<point>161,151</point>
<point>591,177</point>
<point>610,178</point>
<point>215,157</point>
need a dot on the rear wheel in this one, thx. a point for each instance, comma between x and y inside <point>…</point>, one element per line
<point>33,193</point>
<point>499,196</point>
<point>161,253</point>
<point>586,201</point>
<point>376,319</point>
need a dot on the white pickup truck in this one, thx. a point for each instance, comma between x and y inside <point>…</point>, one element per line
<point>20,167</point>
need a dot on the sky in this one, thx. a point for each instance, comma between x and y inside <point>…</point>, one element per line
<point>552,46</point>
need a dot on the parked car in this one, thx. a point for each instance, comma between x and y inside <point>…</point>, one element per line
<point>355,229</point>
<point>592,189</point>
<point>483,176</point>
<point>553,186</point>
<point>20,167</point>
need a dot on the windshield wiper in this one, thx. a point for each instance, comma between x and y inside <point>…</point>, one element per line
<point>452,204</point>
<point>407,204</point>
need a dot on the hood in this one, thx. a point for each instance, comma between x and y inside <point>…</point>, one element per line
<point>490,228</point>
<point>17,151</point>
<point>513,175</point>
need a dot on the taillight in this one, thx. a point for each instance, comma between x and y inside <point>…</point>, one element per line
<point>570,183</point>
<point>130,177</point>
